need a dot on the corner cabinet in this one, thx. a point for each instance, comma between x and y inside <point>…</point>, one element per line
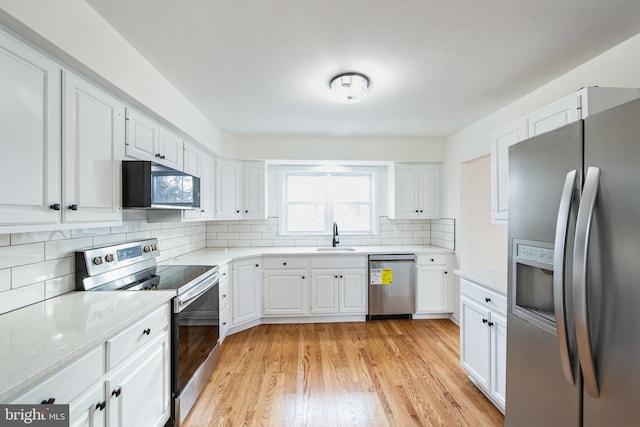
<point>483,339</point>
<point>415,191</point>
<point>246,283</point>
<point>240,189</point>
<point>577,106</point>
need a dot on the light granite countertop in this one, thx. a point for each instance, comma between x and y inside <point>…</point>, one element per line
<point>37,340</point>
<point>212,256</point>
<point>492,279</point>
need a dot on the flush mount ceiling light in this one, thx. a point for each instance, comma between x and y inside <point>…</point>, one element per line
<point>349,88</point>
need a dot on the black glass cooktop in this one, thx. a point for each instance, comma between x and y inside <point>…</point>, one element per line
<point>161,277</point>
<point>177,276</point>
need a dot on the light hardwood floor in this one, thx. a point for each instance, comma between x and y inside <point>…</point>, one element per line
<point>378,373</point>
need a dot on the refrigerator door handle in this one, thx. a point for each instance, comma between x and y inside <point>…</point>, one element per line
<point>559,257</point>
<point>583,232</point>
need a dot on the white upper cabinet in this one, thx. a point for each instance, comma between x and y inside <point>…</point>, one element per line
<point>147,140</point>
<point>93,131</point>
<point>240,189</point>
<point>200,164</point>
<point>578,105</point>
<point>501,140</point>
<point>30,136</point>
<point>415,191</point>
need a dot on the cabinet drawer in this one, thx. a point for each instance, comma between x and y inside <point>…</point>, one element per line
<point>491,300</point>
<point>333,262</point>
<point>426,259</point>
<point>285,262</point>
<point>132,338</point>
<point>68,383</point>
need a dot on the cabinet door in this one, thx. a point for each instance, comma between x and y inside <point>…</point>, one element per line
<point>30,136</point>
<point>501,140</point>
<point>171,148</point>
<point>324,292</point>
<point>93,131</point>
<point>433,292</point>
<point>558,114</point>
<point>254,205</point>
<point>284,293</point>
<point>474,341</point>
<point>353,292</point>
<point>207,188</point>
<point>245,301</point>
<point>225,322</point>
<point>139,392</point>
<point>430,191</point>
<point>227,187</point>
<point>191,159</point>
<point>406,191</point>
<point>498,358</point>
<point>89,410</point>
<point>142,137</point>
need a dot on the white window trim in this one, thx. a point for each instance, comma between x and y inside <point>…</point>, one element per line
<point>372,172</point>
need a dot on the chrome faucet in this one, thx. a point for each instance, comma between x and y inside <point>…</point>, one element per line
<point>336,240</point>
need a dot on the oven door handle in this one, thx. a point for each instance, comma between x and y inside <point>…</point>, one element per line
<point>182,301</point>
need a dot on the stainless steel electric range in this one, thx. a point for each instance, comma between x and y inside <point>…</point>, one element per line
<point>195,349</point>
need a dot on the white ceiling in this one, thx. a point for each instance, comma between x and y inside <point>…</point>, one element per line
<point>263,67</point>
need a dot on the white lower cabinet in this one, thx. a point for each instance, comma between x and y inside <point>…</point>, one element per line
<point>434,290</point>
<point>284,293</point>
<point>224,296</point>
<point>245,296</point>
<point>483,339</point>
<point>135,392</point>
<point>338,291</point>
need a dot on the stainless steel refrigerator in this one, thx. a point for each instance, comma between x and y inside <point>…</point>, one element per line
<point>573,330</point>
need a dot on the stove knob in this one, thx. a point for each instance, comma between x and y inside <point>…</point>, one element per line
<point>146,249</point>
<point>155,247</point>
<point>97,260</point>
<point>109,257</point>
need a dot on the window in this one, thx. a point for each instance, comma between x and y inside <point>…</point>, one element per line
<point>312,201</point>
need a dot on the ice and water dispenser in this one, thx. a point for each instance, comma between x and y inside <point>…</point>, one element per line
<point>532,291</point>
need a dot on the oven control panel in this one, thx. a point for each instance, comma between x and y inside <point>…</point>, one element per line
<point>101,260</point>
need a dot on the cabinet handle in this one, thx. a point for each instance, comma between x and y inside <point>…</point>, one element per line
<point>421,211</point>
<point>341,276</point>
<point>284,263</point>
<point>487,299</point>
<point>257,265</point>
<point>116,392</point>
<point>224,295</point>
<point>446,272</point>
<point>303,277</point>
<point>224,274</point>
<point>146,332</point>
<point>101,405</point>
<point>224,323</point>
<point>237,211</point>
<point>336,276</point>
<point>48,401</point>
<point>55,206</point>
<point>490,323</point>
<point>73,207</point>
<point>416,210</point>
<point>484,321</point>
<point>246,211</point>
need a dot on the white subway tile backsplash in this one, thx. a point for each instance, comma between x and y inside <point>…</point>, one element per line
<point>5,280</point>
<point>88,232</point>
<point>66,248</point>
<point>40,236</point>
<point>32,273</point>
<point>16,298</point>
<point>140,235</point>
<point>5,239</point>
<point>59,286</point>
<point>13,256</point>
<point>412,227</point>
<point>130,226</point>
<point>229,236</point>
<point>249,236</point>
<point>240,228</point>
<point>138,214</point>
<point>217,228</point>
<point>109,239</point>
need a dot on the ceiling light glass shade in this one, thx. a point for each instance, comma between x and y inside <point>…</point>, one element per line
<point>349,88</point>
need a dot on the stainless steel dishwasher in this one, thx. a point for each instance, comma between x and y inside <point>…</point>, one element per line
<point>391,286</point>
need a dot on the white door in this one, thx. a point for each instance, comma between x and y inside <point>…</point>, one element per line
<point>93,131</point>
<point>433,295</point>
<point>207,188</point>
<point>142,137</point>
<point>284,293</point>
<point>324,292</point>
<point>254,190</point>
<point>406,191</point>
<point>353,295</point>
<point>430,185</point>
<point>246,297</point>
<point>474,340</point>
<point>139,392</point>
<point>499,358</point>
<point>227,184</point>
<point>556,115</point>
<point>30,120</point>
<point>171,148</point>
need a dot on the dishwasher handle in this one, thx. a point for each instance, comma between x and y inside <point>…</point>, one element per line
<point>392,257</point>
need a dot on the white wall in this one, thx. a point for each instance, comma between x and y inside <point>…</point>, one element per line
<point>339,148</point>
<point>617,67</point>
<point>74,33</point>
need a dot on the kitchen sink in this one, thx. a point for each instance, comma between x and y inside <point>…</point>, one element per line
<point>336,249</point>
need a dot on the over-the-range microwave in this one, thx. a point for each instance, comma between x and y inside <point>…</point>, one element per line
<point>147,185</point>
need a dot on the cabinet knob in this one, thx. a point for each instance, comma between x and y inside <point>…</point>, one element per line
<point>303,277</point>
<point>490,323</point>
<point>73,207</point>
<point>224,295</point>
<point>433,260</point>
<point>237,211</point>
<point>487,299</point>
<point>484,321</point>
<point>48,401</point>
<point>421,211</point>
<point>336,276</point>
<point>284,263</point>
<point>341,276</point>
<point>55,206</point>
<point>101,405</point>
<point>224,323</point>
<point>446,272</point>
<point>257,265</point>
<point>146,332</point>
<point>246,211</point>
<point>417,211</point>
<point>116,392</point>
